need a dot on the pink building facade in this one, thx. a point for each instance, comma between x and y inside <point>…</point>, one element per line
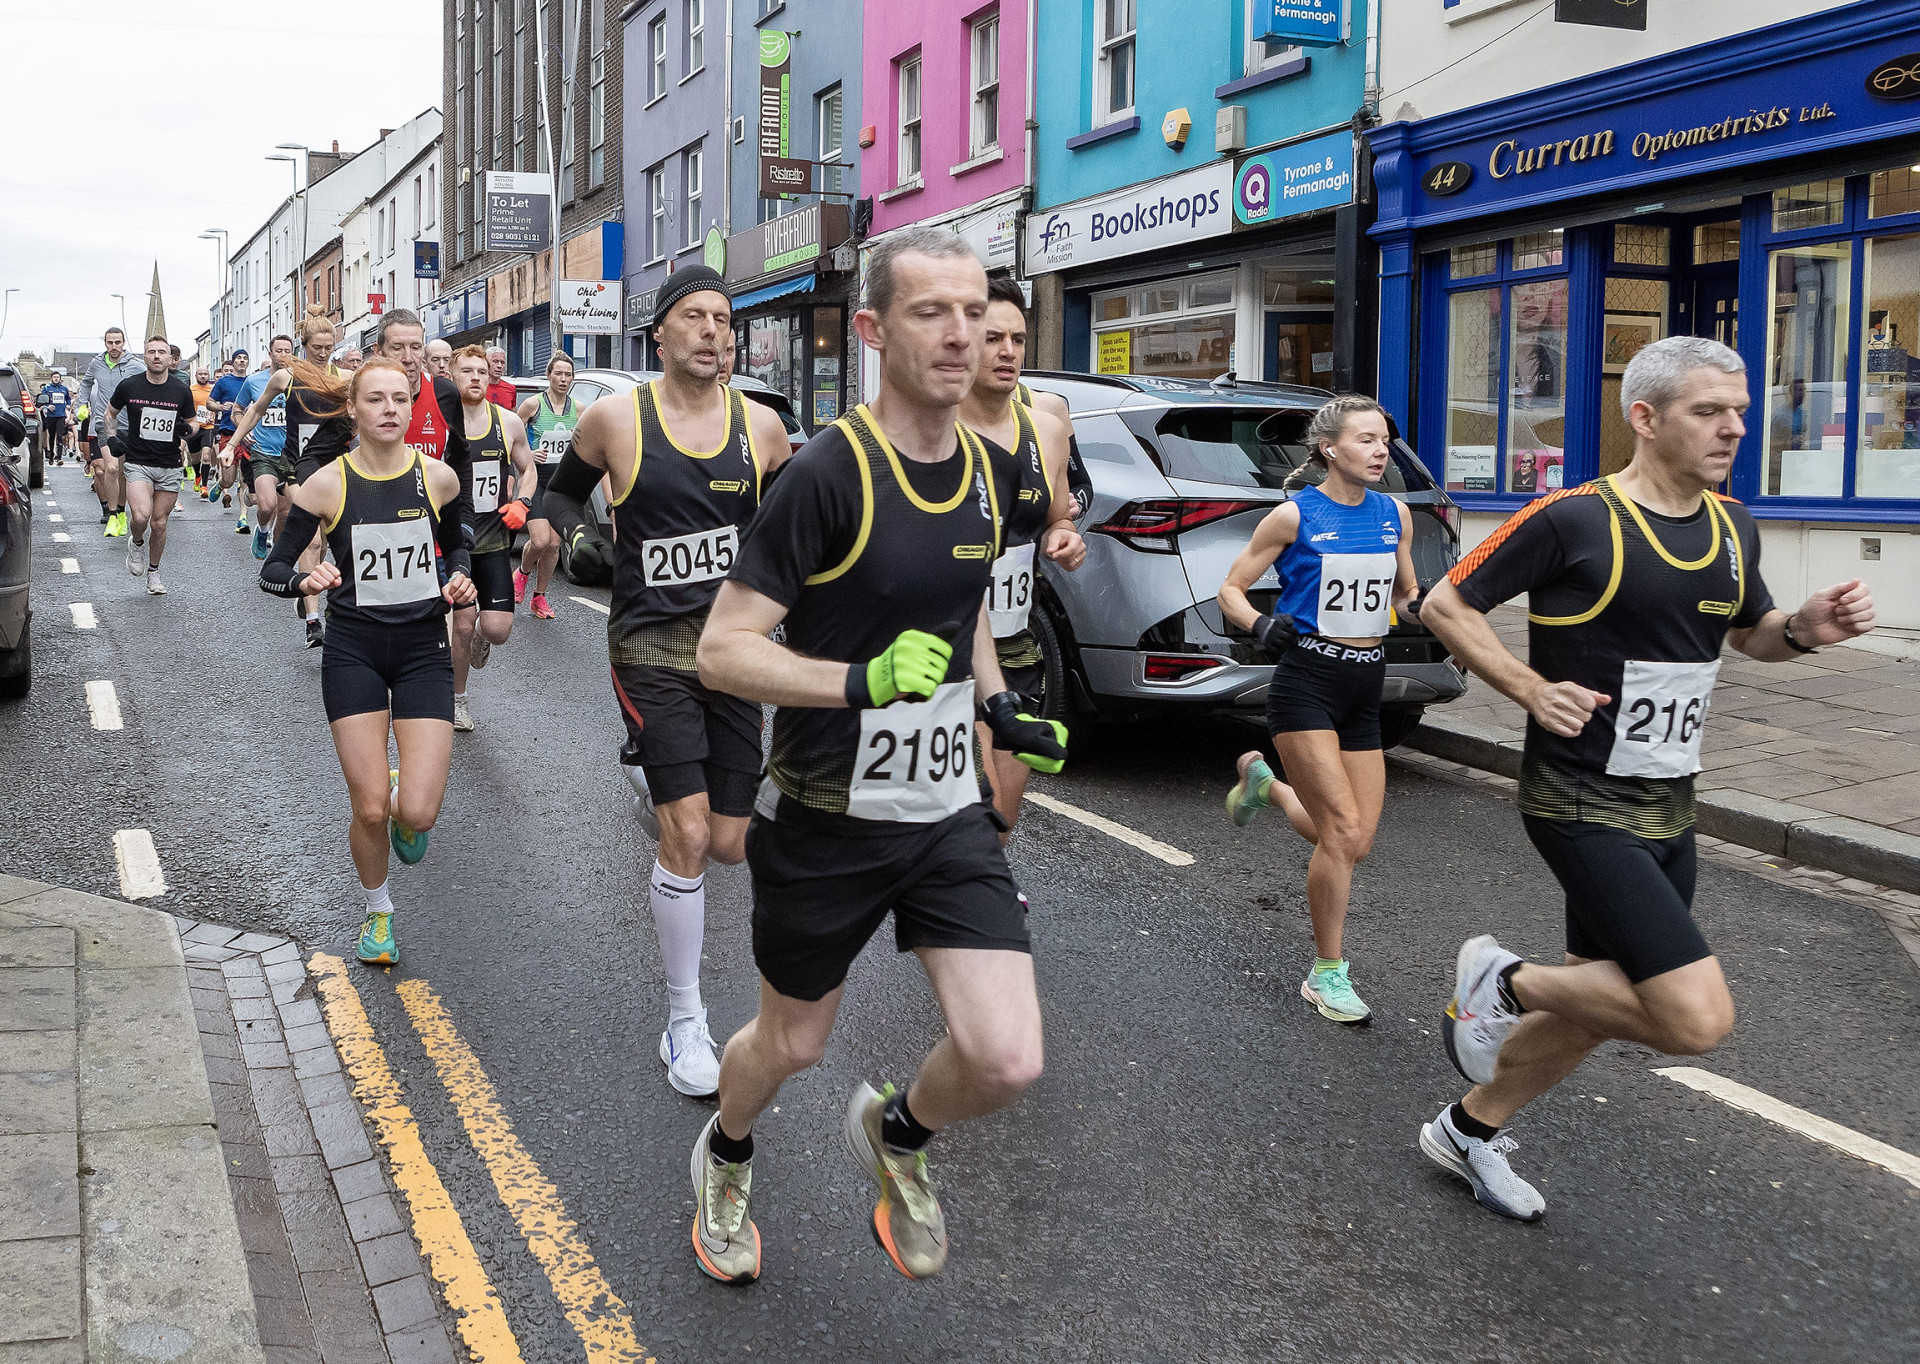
<point>943,118</point>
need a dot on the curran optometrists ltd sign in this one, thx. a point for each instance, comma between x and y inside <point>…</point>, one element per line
<point>1182,208</point>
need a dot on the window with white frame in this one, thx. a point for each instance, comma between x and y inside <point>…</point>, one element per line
<point>986,84</point>
<point>393,223</point>
<point>433,195</point>
<point>1113,62</point>
<point>597,120</point>
<point>379,229</point>
<point>657,202</point>
<point>690,200</point>
<point>1262,56</point>
<point>695,15</point>
<point>419,202</point>
<point>908,170</point>
<point>829,119</point>
<point>657,58</point>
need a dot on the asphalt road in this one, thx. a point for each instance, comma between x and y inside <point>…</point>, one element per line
<point>1208,1170</point>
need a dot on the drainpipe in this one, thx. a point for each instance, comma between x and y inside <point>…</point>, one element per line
<point>1032,128</point>
<point>726,135</point>
<point>1370,97</point>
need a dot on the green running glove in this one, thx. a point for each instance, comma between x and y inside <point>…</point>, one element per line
<point>1040,744</point>
<point>912,667</point>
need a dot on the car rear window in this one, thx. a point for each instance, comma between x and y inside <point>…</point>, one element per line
<point>1251,447</point>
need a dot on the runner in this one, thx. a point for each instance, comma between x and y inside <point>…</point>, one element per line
<point>440,359</point>
<point>874,546</point>
<point>53,400</point>
<point>161,414</point>
<point>200,445</point>
<point>687,457</point>
<point>104,375</point>
<point>260,435</point>
<point>550,418</point>
<point>226,407</point>
<point>1033,445</point>
<point>350,360</point>
<point>434,428</point>
<point>500,389</point>
<point>503,485</point>
<point>1344,555</point>
<point>320,427</point>
<point>393,517</point>
<point>1634,583</point>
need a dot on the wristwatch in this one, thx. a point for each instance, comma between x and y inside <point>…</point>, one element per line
<point>1786,633</point>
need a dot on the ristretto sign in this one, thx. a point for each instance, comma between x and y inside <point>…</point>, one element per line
<point>781,174</point>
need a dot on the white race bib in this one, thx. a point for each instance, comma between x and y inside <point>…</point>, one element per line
<point>1663,712</point>
<point>696,558</point>
<point>554,444</point>
<point>1356,594</point>
<point>274,418</point>
<point>156,423</point>
<point>915,761</point>
<point>486,485</point>
<point>393,563</point>
<point>1010,592</point>
<point>302,434</point>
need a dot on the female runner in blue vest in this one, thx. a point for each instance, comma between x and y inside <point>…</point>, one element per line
<point>1343,555</point>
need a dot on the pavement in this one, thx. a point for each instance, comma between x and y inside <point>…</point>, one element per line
<point>1207,1170</point>
<point>1816,760</point>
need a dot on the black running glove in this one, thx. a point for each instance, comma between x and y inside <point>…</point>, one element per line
<point>1040,744</point>
<point>1275,635</point>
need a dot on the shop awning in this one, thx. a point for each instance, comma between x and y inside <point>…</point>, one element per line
<point>799,285</point>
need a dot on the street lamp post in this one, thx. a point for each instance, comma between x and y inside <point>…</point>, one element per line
<point>553,171</point>
<point>306,193</point>
<point>6,306</point>
<point>123,312</point>
<point>218,235</point>
<point>300,266</point>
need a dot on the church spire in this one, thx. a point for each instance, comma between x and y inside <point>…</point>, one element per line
<point>156,311</point>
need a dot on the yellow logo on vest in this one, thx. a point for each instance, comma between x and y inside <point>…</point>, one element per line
<point>973,551</point>
<point>406,512</point>
<point>1716,608</point>
<point>728,485</point>
<point>1029,494</point>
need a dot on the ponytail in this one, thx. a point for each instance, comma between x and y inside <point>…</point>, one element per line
<point>329,392</point>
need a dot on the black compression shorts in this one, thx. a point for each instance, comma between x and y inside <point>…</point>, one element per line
<point>493,576</point>
<point>818,896</point>
<point>1322,685</point>
<point>1629,899</point>
<point>543,477</point>
<point>374,666</point>
<point>689,739</point>
<point>305,468</point>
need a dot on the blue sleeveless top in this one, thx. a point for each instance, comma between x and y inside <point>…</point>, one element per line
<point>1337,576</point>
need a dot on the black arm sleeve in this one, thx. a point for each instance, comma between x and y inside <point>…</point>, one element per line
<point>451,533</point>
<point>458,455</point>
<point>567,495</point>
<point>281,574</point>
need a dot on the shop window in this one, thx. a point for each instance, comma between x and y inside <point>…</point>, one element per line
<point>1888,462</point>
<point>1716,243</point>
<point>1822,203</point>
<point>826,365</point>
<point>773,354</point>
<point>1636,315</point>
<point>1539,250</point>
<point>1637,244</point>
<point>1473,389</point>
<point>1536,386</point>
<point>1892,192</point>
<point>1164,299</point>
<point>1208,293</point>
<point>1113,307</point>
<point>1806,409</point>
<point>1284,288</point>
<point>1190,341</point>
<point>1471,262</point>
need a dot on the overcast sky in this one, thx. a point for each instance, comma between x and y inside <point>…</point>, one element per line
<point>135,127</point>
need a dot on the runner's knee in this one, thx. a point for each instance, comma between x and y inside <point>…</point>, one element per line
<point>685,828</point>
<point>1005,1065</point>
<point>1698,1028</point>
<point>728,849</point>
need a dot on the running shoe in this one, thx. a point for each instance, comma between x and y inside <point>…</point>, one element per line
<point>240,526</point>
<point>105,516</point>
<point>377,947</point>
<point>1478,1020</point>
<point>907,1222</point>
<point>519,587</point>
<point>1249,795</point>
<point>1333,995</point>
<point>462,717</point>
<point>136,557</point>
<point>480,650</point>
<point>540,609</point>
<point>155,588</point>
<point>724,1237</point>
<point>409,846</point>
<point>1483,1164</point>
<point>643,800</point>
<point>262,542</point>
<point>116,525</point>
<point>316,632</point>
<point>686,1050</point>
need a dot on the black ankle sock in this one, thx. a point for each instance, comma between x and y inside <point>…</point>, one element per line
<point>1507,996</point>
<point>898,1127</point>
<point>724,1148</point>
<point>1469,1126</point>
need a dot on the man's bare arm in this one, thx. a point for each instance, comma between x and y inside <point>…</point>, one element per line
<point>736,657</point>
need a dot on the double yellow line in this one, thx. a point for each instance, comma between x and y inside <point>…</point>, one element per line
<point>595,1311</point>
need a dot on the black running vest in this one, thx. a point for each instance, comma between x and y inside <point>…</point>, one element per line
<point>492,484</point>
<point>382,537</point>
<point>1027,499</point>
<point>310,435</point>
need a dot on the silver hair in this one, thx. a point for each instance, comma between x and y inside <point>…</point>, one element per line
<point>397,317</point>
<point>1327,426</point>
<point>923,241</point>
<point>1656,375</point>
<point>496,350</point>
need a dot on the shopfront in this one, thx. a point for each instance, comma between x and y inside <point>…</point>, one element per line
<point>1530,247</point>
<point>795,289</point>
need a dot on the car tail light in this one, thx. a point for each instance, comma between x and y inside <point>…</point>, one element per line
<point>1178,667</point>
<point>6,493</point>
<point>26,403</point>
<point>1152,524</point>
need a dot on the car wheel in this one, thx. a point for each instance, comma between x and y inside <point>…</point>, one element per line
<point>16,666</point>
<point>36,467</point>
<point>1397,724</point>
<point>1056,699</point>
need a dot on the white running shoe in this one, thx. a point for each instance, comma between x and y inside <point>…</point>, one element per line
<point>643,801</point>
<point>686,1050</point>
<point>1478,1021</point>
<point>479,651</point>
<point>136,557</point>
<point>1483,1164</point>
<point>155,588</point>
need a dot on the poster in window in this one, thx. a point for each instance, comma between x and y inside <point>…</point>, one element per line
<point>1116,353</point>
<point>1625,336</point>
<point>1470,468</point>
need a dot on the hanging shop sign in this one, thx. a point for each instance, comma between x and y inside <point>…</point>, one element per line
<point>780,244</point>
<point>1602,13</point>
<point>589,307</point>
<point>1301,23</point>
<point>519,211</point>
<point>1188,207</point>
<point>1304,178</point>
<point>641,306</point>
<point>426,260</point>
<point>780,172</point>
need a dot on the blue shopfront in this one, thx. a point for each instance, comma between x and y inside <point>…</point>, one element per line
<point>1529,247</point>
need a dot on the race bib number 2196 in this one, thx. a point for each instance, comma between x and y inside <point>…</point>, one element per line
<point>915,760</point>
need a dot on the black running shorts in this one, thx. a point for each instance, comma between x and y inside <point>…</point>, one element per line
<point>373,666</point>
<point>1322,685</point>
<point>305,468</point>
<point>493,576</point>
<point>818,896</point>
<point>689,739</point>
<point>542,476</point>
<point>1629,899</point>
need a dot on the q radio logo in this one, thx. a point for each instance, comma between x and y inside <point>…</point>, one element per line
<point>1256,193</point>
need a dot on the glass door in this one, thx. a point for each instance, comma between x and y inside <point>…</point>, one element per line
<point>1299,349</point>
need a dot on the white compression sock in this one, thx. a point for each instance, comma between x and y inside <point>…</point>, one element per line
<point>378,900</point>
<point>680,922</point>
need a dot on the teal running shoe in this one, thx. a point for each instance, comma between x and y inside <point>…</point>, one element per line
<point>377,947</point>
<point>1249,795</point>
<point>1329,991</point>
<point>408,845</point>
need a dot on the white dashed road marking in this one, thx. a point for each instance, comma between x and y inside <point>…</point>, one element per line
<point>1856,1144</point>
<point>589,601</point>
<point>139,863</point>
<point>61,537</point>
<point>55,516</point>
<point>104,705</point>
<point>83,618</point>
<point>1151,846</point>
<point>69,565</point>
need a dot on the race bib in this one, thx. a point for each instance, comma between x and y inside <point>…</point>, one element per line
<point>156,423</point>
<point>486,485</point>
<point>1356,594</point>
<point>554,444</point>
<point>274,419</point>
<point>695,558</point>
<point>1663,712</point>
<point>1010,592</point>
<point>393,563</point>
<point>302,434</point>
<point>915,761</point>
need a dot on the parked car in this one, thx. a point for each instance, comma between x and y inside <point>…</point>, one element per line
<point>16,558</point>
<point>1173,476</point>
<point>14,394</point>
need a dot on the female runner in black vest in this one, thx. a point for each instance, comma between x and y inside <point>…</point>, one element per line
<point>392,517</point>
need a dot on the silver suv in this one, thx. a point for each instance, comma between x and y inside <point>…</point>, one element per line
<point>1173,476</point>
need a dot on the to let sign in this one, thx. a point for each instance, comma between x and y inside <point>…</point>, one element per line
<point>780,173</point>
<point>519,213</point>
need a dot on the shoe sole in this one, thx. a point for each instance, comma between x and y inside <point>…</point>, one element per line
<point>1313,997</point>
<point>860,1148</point>
<point>1241,816</point>
<point>1462,963</point>
<point>666,1059</point>
<point>707,1267</point>
<point>1453,1164</point>
<point>384,959</point>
